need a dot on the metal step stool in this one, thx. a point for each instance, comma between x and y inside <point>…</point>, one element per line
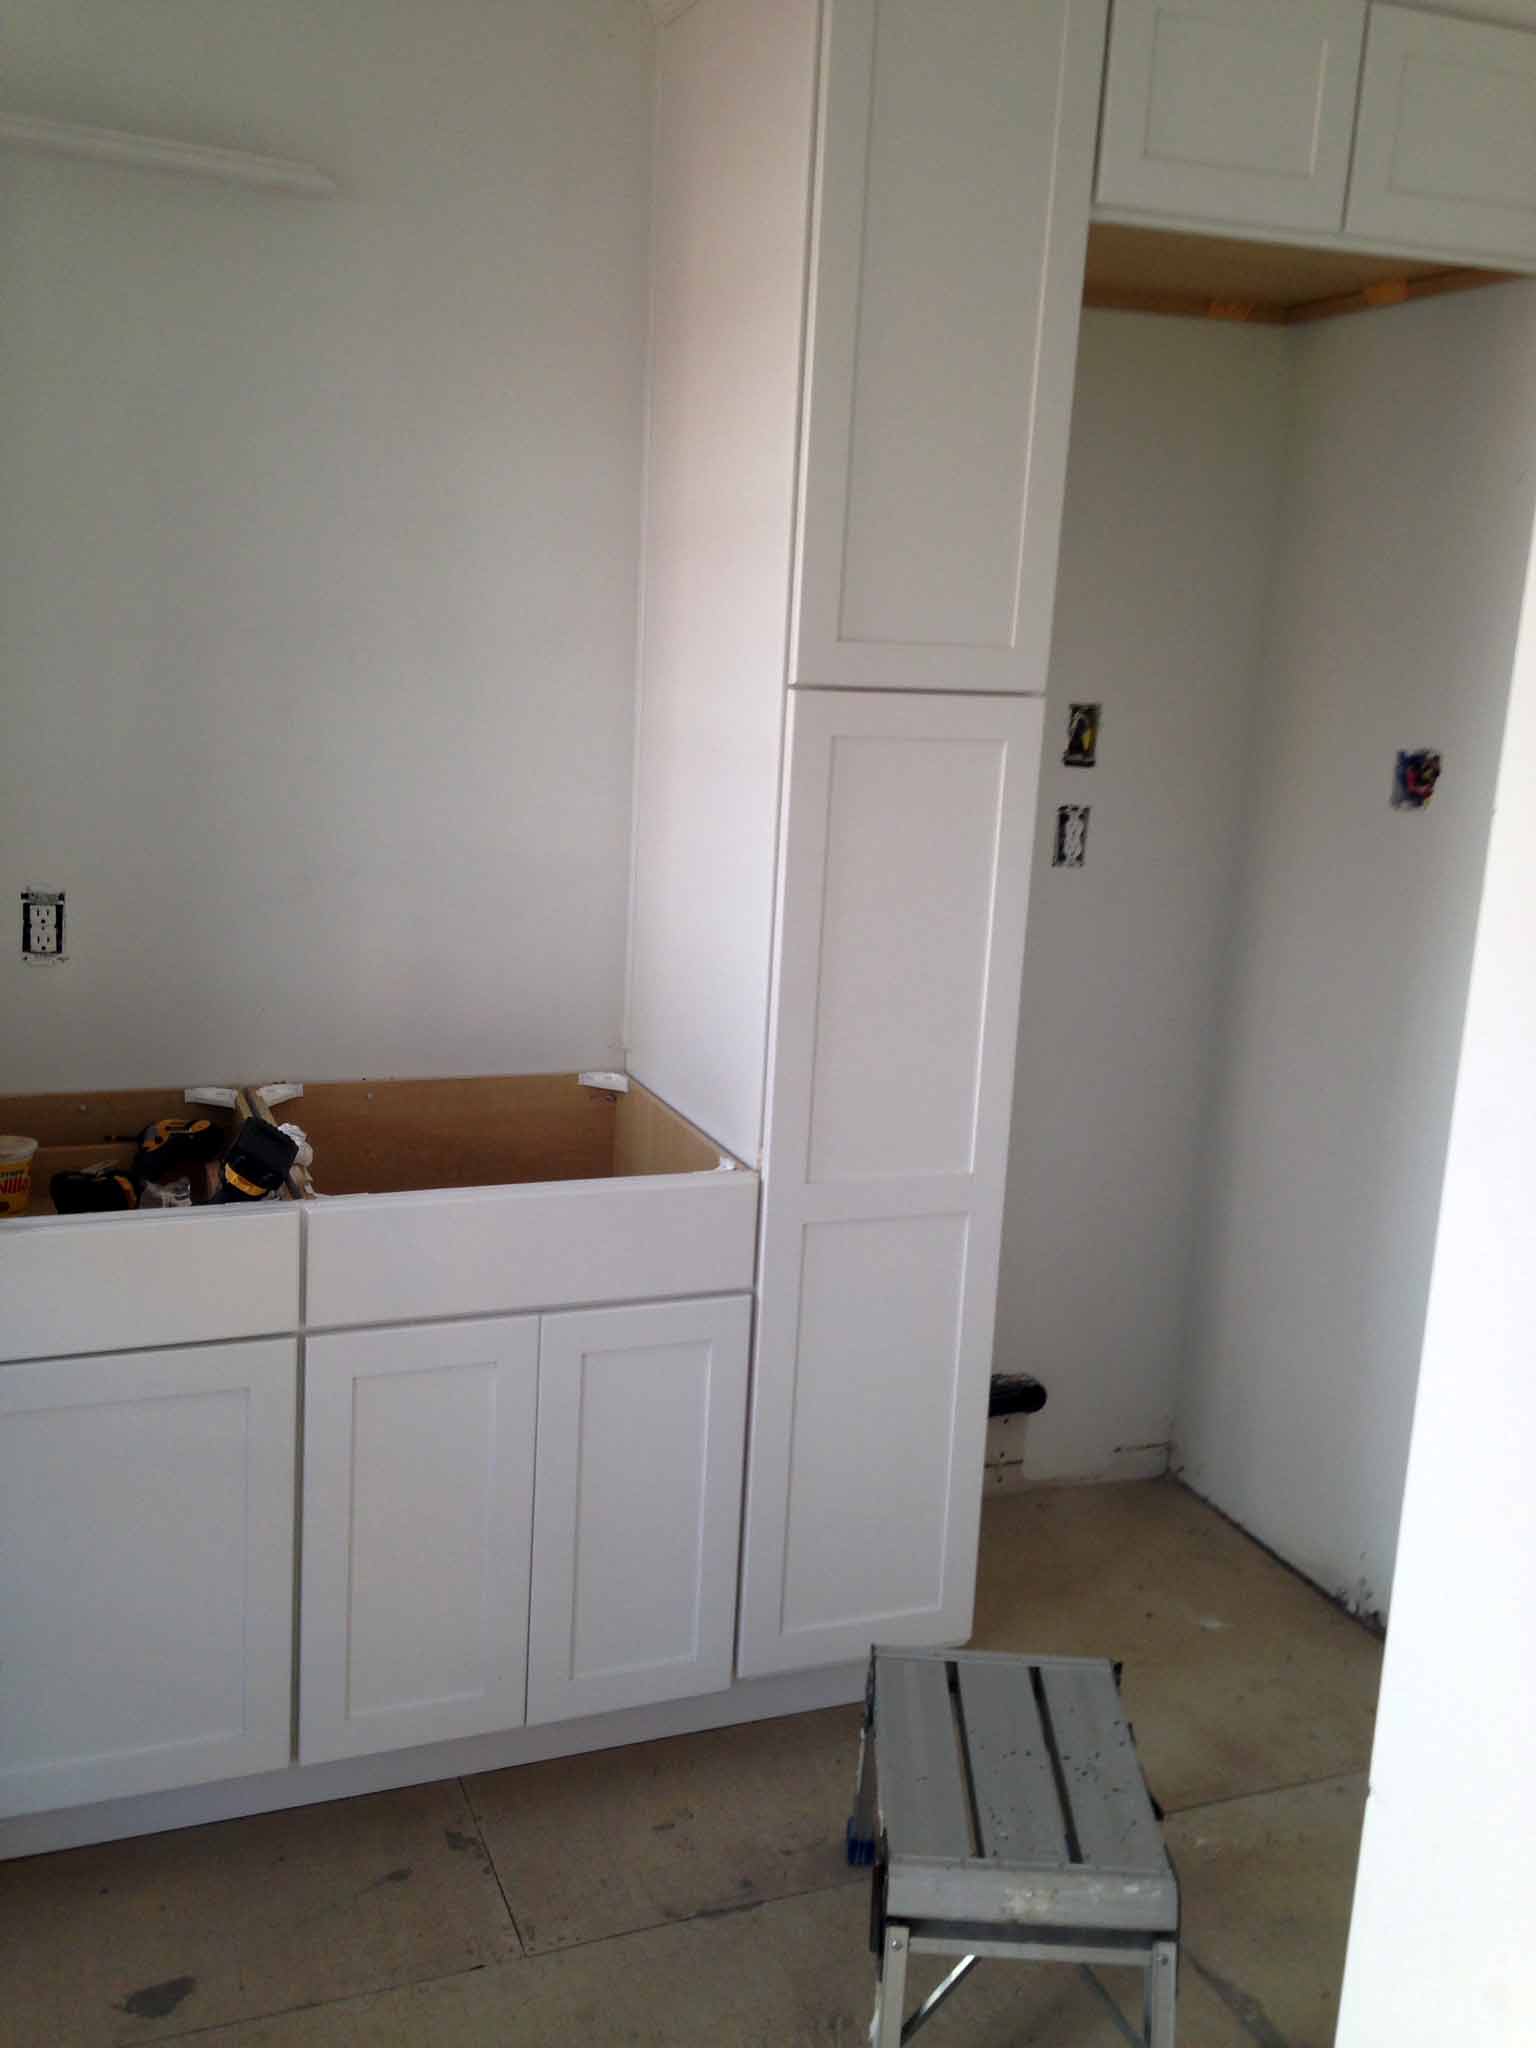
<point>1001,1803</point>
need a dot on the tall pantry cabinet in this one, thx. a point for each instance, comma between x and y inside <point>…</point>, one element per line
<point>870,225</point>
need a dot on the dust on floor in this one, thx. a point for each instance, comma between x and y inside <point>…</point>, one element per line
<point>694,1892</point>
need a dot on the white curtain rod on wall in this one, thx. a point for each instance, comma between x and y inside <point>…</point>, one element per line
<point>158,153</point>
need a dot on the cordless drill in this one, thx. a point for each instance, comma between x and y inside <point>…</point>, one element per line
<point>177,1148</point>
<point>174,1149</point>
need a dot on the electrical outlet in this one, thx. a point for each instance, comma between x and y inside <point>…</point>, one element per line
<point>1071,843</point>
<point>42,924</point>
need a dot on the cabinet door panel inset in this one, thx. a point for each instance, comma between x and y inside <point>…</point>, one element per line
<point>146,1591</point>
<point>418,1510</point>
<point>1446,153</point>
<point>1231,110</point>
<point>641,1413</point>
<point>905,951</point>
<point>953,190</point>
<point>907,842</point>
<point>879,1356</point>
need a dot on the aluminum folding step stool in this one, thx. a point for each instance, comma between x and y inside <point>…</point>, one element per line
<point>1001,1803</point>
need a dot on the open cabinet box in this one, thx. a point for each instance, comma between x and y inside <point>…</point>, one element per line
<point>437,1198</point>
<point>515,1336</point>
<point>399,1136</point>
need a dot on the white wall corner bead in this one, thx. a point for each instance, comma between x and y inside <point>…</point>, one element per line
<point>162,153</point>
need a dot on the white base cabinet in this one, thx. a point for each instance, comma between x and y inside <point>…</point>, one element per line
<point>418,1518</point>
<point>637,1505</point>
<point>76,1284</point>
<point>146,1571</point>
<point>590,1460</point>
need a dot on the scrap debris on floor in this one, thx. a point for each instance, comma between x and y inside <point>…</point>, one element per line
<point>694,1891</point>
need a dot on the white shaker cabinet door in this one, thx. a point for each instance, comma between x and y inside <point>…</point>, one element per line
<point>1231,111</point>
<point>146,1571</point>
<point>954,178</point>
<point>1445,158</point>
<point>418,1517</point>
<point>907,843</point>
<point>638,1516</point>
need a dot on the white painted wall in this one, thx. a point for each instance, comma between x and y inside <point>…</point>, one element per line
<point>735,109</point>
<point>1441,1940</point>
<point>1394,614</point>
<point>318,539</point>
<point>1173,494</point>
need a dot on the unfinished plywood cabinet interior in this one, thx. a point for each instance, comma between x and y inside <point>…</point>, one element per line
<point>626,1371</point>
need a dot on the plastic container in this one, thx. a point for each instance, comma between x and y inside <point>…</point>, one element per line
<point>16,1174</point>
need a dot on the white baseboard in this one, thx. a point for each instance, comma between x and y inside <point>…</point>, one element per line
<point>110,1820</point>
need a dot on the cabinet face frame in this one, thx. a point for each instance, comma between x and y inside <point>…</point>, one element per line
<point>472,1597</point>
<point>908,471</point>
<point>892,1081</point>
<point>76,1284</point>
<point>637,1512</point>
<point>1438,98</point>
<point>1179,140</point>
<point>205,1388</point>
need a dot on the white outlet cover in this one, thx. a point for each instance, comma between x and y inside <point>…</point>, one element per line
<point>42,913</point>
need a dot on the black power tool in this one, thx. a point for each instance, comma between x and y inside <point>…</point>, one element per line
<point>93,1191</point>
<point>177,1148</point>
<point>256,1164</point>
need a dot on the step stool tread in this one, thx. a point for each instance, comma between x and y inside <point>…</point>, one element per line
<point>1010,1794</point>
<point>1017,1804</point>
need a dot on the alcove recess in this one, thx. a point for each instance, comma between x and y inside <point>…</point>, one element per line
<point>1206,277</point>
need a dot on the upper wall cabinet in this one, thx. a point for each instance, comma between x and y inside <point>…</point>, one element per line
<point>955,172</point>
<point>1446,153</point>
<point>1232,110</point>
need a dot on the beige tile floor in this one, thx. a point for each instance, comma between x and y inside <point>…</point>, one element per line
<point>693,1892</point>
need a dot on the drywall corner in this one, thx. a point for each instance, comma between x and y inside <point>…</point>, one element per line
<point>1398,585</point>
<point>1172,514</point>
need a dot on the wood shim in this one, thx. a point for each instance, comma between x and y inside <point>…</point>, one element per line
<point>1396,292</point>
<point>1107,298</point>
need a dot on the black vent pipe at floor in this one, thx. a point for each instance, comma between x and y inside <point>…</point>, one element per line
<point>1016,1393</point>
